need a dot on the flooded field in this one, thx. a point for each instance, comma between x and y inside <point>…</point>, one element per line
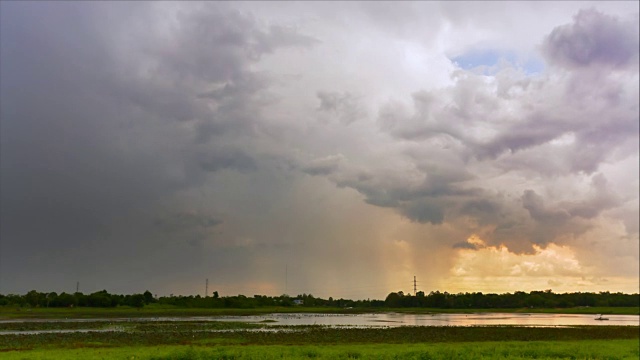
<point>276,336</point>
<point>379,320</point>
<point>396,319</point>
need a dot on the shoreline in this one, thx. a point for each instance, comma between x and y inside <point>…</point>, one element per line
<point>9,313</point>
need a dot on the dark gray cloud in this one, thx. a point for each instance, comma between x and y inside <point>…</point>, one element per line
<point>214,43</point>
<point>323,166</point>
<point>601,198</point>
<point>366,184</point>
<point>185,221</point>
<point>103,127</point>
<point>534,203</point>
<point>425,211</point>
<point>594,38</point>
<point>486,210</point>
<point>227,158</point>
<point>568,217</point>
<point>430,199</point>
<point>538,129</point>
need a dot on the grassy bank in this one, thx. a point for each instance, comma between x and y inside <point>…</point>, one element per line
<point>594,349</point>
<point>168,311</point>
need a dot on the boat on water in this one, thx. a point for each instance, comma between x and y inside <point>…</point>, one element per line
<point>601,318</point>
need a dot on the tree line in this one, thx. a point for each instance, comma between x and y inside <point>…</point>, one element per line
<point>519,299</point>
<point>104,299</point>
<point>435,299</point>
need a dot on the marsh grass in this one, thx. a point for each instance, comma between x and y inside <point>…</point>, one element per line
<point>194,333</point>
<point>166,340</point>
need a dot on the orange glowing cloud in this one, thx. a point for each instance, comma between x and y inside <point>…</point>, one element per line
<point>480,267</point>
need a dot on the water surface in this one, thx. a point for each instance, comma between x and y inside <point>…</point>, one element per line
<point>388,319</point>
<point>476,319</point>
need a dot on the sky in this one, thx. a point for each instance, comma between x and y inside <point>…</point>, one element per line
<point>330,148</point>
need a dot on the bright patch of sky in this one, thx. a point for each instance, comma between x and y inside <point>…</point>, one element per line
<point>490,61</point>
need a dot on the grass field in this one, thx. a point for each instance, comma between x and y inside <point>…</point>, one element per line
<point>588,349</point>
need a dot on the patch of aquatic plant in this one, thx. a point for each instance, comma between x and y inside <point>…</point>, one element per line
<point>58,325</point>
<point>194,325</point>
<point>420,334</point>
<point>185,334</point>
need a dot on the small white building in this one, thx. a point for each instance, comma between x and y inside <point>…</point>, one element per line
<point>298,302</point>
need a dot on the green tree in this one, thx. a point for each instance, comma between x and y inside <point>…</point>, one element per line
<point>34,298</point>
<point>148,297</point>
<point>394,299</point>
<point>136,301</point>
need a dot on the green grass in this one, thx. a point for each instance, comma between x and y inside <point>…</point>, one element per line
<point>597,349</point>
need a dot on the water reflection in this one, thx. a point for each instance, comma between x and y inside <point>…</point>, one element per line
<point>477,319</point>
<point>57,331</point>
<point>387,319</point>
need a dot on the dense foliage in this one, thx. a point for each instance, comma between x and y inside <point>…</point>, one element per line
<point>534,299</point>
<point>519,299</point>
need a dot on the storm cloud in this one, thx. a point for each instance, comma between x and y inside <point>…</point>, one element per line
<point>153,145</point>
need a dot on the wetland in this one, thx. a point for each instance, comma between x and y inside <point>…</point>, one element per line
<point>322,336</point>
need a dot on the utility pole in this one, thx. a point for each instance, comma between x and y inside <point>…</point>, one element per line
<point>206,288</point>
<point>415,287</point>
